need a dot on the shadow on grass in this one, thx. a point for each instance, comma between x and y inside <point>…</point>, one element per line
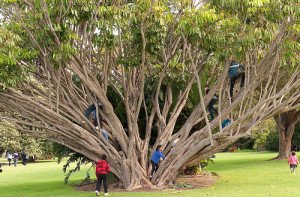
<point>44,161</point>
<point>43,188</point>
<point>3,163</point>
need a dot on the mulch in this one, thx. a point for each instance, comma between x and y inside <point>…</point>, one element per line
<point>183,182</point>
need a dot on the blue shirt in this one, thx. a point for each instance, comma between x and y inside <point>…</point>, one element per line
<point>233,71</point>
<point>156,156</point>
<point>225,123</point>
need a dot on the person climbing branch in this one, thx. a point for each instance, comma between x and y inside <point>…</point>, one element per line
<point>103,131</point>
<point>93,110</point>
<point>156,158</point>
<point>211,108</point>
<point>226,122</point>
<point>236,72</point>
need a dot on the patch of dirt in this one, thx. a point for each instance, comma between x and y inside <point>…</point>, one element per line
<point>203,180</point>
<point>90,186</point>
<point>183,182</point>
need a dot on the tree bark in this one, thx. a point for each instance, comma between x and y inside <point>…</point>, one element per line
<point>286,123</point>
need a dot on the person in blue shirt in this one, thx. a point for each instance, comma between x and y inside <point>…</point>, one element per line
<point>91,114</point>
<point>235,72</point>
<point>156,158</point>
<point>225,123</point>
<point>211,106</point>
<point>91,111</point>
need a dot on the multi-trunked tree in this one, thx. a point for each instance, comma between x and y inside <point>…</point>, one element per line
<point>151,55</point>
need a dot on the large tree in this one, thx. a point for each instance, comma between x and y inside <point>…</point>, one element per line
<point>67,55</point>
<point>286,123</point>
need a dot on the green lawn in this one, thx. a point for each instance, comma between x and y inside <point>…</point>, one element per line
<point>241,174</point>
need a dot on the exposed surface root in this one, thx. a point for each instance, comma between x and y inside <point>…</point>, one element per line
<point>183,182</point>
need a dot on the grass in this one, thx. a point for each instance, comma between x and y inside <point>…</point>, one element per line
<point>241,174</point>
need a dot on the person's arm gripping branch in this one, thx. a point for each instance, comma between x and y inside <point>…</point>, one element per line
<point>161,155</point>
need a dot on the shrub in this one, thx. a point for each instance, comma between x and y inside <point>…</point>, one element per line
<point>264,137</point>
<point>272,141</point>
<point>260,141</point>
<point>245,143</point>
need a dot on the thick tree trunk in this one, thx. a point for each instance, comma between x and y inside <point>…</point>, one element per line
<point>284,145</point>
<point>286,123</point>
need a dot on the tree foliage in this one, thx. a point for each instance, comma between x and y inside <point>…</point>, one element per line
<point>14,141</point>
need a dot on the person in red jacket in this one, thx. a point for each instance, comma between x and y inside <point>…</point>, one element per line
<point>102,169</point>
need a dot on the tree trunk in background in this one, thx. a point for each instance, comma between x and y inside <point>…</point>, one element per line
<point>286,123</point>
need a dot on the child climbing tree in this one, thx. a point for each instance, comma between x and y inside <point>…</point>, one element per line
<point>151,54</point>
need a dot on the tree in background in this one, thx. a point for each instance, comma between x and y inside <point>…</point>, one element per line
<point>12,140</point>
<point>59,57</point>
<point>286,123</point>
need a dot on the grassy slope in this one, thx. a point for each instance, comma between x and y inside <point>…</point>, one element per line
<point>242,174</point>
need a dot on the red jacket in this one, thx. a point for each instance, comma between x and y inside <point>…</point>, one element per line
<point>102,167</point>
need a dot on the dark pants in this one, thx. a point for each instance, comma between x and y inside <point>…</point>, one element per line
<point>212,110</point>
<point>24,161</point>
<point>233,80</point>
<point>9,162</point>
<point>154,167</point>
<point>293,167</point>
<point>102,178</point>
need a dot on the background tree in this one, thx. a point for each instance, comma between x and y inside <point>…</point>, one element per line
<point>70,54</point>
<point>286,123</point>
<point>13,141</point>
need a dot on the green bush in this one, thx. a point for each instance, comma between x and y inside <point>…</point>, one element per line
<point>245,143</point>
<point>260,141</point>
<point>264,138</point>
<point>272,141</point>
<point>296,136</point>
